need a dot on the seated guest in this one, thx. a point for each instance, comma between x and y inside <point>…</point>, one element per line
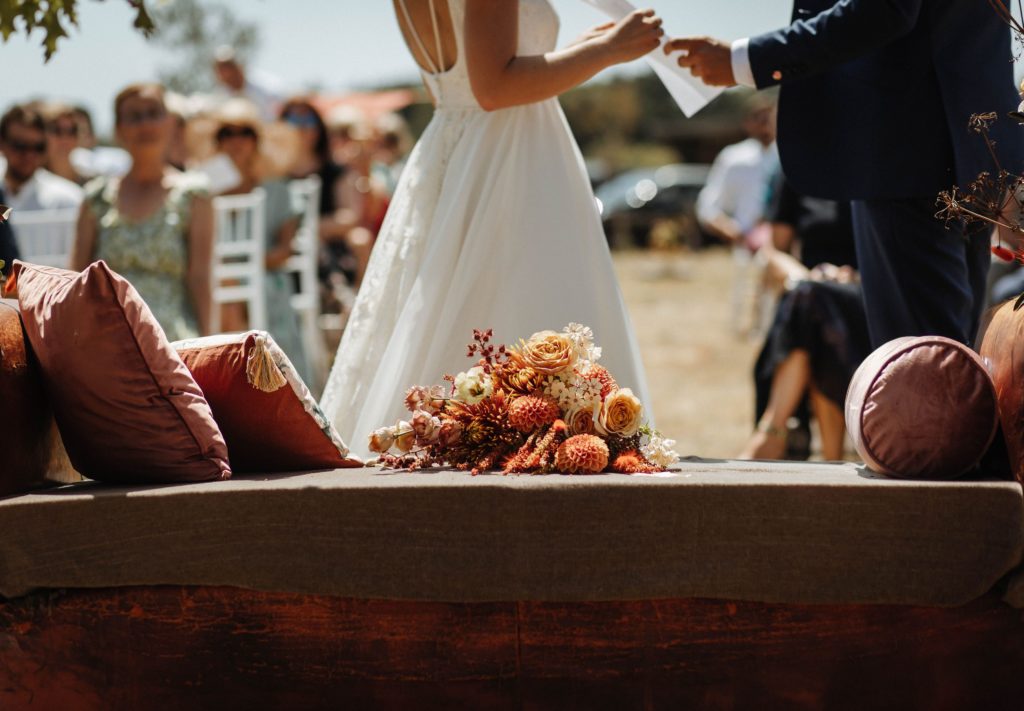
<point>62,130</point>
<point>154,226</point>
<point>237,83</point>
<point>819,335</point>
<point>90,159</point>
<point>8,247</point>
<point>238,136</point>
<point>346,241</point>
<point>27,184</point>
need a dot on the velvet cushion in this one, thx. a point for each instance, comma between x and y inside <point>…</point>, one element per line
<point>25,437</point>
<point>922,408</point>
<point>127,407</point>
<point>269,418</point>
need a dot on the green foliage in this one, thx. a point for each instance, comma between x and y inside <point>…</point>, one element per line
<point>53,17</point>
<point>193,30</point>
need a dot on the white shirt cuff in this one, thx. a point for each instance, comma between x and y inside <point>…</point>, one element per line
<point>741,70</point>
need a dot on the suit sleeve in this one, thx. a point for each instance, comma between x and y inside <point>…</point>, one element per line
<point>845,31</point>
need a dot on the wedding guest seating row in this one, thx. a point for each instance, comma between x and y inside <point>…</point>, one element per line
<point>47,237</point>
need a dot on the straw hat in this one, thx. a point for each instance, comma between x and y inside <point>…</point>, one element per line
<point>279,143</point>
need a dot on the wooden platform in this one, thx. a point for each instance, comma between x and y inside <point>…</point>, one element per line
<point>226,648</point>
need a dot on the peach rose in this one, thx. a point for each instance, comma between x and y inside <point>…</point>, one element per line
<point>621,413</point>
<point>425,425</point>
<point>581,420</point>
<point>549,353</point>
<point>382,439</point>
<point>405,437</point>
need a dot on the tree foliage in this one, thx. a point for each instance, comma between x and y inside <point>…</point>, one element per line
<point>53,18</point>
<point>193,30</point>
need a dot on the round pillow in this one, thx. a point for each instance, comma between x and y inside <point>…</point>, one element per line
<point>922,407</point>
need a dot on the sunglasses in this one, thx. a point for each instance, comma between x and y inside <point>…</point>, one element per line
<point>22,147</point>
<point>235,132</point>
<point>302,120</point>
<point>68,131</point>
<point>137,118</point>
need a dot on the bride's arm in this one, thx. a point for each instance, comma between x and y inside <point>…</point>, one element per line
<point>500,78</point>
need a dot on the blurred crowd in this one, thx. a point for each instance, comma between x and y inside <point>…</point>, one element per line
<point>145,202</point>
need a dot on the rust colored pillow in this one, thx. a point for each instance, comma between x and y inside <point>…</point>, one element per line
<point>922,408</point>
<point>269,418</point>
<point>127,407</point>
<point>999,344</point>
<point>25,437</point>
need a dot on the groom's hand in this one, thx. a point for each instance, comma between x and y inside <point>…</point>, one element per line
<point>708,59</point>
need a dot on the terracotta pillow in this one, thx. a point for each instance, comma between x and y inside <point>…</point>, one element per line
<point>26,433</point>
<point>127,407</point>
<point>922,408</point>
<point>269,418</point>
<point>999,345</point>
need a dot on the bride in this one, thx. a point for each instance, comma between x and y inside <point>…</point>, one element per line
<point>493,223</point>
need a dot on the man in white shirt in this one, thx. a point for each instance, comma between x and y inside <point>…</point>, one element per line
<point>236,84</point>
<point>733,200</point>
<point>26,184</point>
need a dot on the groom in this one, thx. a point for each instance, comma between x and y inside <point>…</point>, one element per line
<point>875,101</point>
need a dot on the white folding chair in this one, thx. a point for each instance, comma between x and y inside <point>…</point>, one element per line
<point>45,236</point>
<point>303,264</point>
<point>239,265</point>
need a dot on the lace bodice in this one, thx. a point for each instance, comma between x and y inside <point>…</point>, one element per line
<point>538,33</point>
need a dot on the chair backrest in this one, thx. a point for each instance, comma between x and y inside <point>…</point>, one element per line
<point>45,236</point>
<point>306,244</point>
<point>239,265</point>
<point>303,264</point>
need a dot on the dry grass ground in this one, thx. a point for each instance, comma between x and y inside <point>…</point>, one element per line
<point>699,372</point>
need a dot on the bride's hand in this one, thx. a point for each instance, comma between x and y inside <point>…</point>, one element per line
<point>635,35</point>
<point>592,34</point>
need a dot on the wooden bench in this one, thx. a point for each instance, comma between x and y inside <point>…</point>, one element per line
<point>727,585</point>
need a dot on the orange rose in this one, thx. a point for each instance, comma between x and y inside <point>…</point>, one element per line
<point>581,421</point>
<point>621,413</point>
<point>549,353</point>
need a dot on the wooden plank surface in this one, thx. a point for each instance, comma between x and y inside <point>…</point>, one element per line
<point>189,647</point>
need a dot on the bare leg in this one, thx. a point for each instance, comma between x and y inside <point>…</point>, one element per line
<point>831,423</point>
<point>788,387</point>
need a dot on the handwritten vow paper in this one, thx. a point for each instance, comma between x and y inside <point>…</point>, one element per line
<point>690,93</point>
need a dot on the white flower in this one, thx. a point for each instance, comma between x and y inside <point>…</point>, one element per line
<point>583,338</point>
<point>659,451</point>
<point>473,386</point>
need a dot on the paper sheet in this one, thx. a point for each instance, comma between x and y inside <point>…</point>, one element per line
<point>690,93</point>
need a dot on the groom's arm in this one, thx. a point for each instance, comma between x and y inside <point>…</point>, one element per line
<point>845,31</point>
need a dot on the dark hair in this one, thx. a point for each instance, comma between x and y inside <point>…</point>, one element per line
<point>24,115</point>
<point>83,115</point>
<point>323,145</point>
<point>145,90</point>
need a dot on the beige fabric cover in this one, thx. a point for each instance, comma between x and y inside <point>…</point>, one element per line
<point>775,532</point>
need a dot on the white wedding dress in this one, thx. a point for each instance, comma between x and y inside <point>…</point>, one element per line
<point>493,225</point>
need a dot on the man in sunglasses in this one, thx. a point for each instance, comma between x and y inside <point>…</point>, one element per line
<point>26,184</point>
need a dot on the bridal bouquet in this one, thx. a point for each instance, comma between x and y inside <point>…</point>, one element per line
<point>542,406</point>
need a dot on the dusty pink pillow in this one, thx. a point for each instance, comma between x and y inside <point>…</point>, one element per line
<point>922,408</point>
<point>127,407</point>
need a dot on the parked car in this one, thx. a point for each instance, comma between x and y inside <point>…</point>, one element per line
<point>634,202</point>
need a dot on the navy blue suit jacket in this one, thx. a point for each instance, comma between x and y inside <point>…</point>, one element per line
<point>8,247</point>
<point>876,95</point>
